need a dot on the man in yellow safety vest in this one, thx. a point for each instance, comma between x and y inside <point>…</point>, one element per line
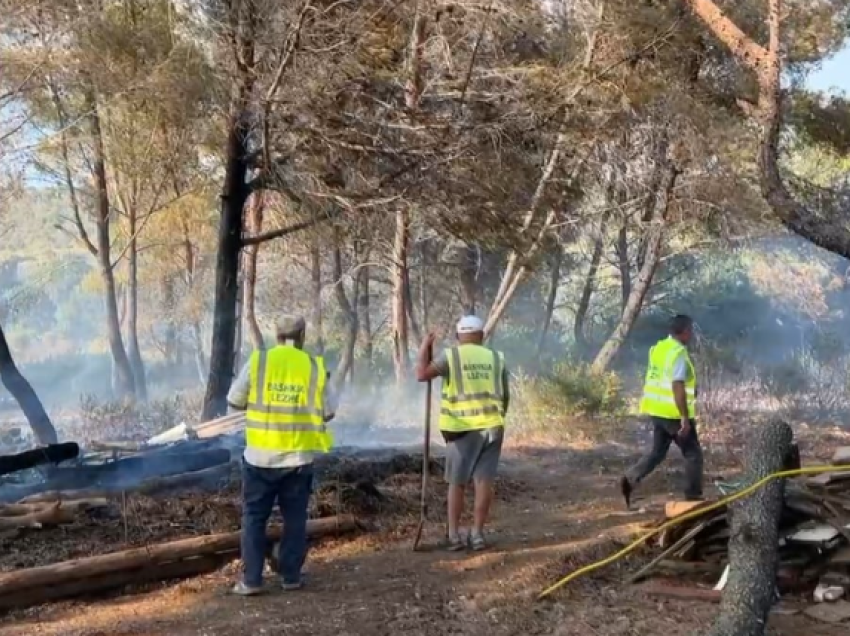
<point>669,398</point>
<point>287,398</point>
<point>472,417</point>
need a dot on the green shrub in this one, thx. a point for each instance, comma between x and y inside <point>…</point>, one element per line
<point>568,390</point>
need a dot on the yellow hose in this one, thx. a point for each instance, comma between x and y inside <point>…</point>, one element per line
<point>808,470</point>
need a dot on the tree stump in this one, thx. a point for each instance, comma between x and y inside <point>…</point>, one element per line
<point>754,542</point>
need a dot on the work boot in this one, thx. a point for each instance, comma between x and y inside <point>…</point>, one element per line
<point>241,589</point>
<point>626,490</point>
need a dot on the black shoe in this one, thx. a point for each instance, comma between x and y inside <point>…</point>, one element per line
<point>626,490</point>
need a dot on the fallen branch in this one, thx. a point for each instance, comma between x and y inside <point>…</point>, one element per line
<point>208,478</point>
<point>23,588</point>
<point>73,505</point>
<point>49,516</point>
<point>52,454</point>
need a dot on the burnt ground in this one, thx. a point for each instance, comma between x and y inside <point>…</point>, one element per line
<point>558,510</point>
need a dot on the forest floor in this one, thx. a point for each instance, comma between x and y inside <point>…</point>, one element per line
<point>559,509</point>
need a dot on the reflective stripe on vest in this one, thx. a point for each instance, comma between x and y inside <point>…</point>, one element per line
<point>472,398</point>
<point>658,398</point>
<point>285,412</point>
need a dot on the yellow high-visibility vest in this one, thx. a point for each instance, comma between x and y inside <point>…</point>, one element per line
<point>658,399</point>
<point>285,412</point>
<point>472,395</point>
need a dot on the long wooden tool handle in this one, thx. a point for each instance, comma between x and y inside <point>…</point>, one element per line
<point>426,445</point>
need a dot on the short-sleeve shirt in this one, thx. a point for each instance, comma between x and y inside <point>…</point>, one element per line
<point>681,369</point>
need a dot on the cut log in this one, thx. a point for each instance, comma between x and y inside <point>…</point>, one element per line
<point>61,580</point>
<point>673,509</point>
<point>73,505</point>
<point>132,470</point>
<point>121,446</point>
<point>116,581</point>
<point>841,456</point>
<point>210,478</point>
<point>753,547</point>
<point>49,516</point>
<point>124,474</point>
<point>52,454</point>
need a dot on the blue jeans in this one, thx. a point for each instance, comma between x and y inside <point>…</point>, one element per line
<point>261,487</point>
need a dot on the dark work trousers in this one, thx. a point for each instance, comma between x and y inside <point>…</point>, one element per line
<point>261,488</point>
<point>665,432</point>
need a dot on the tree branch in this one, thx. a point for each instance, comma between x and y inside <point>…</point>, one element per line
<point>286,231</point>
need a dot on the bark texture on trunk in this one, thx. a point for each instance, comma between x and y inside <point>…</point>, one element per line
<point>316,289</point>
<point>644,278</point>
<point>554,283</point>
<point>234,195</point>
<point>346,362</point>
<point>400,338</point>
<point>255,226</point>
<point>469,280</point>
<point>123,373</point>
<point>826,229</point>
<point>415,330</point>
<point>364,308</point>
<point>134,350</point>
<point>25,396</point>
<point>624,265</point>
<point>579,328</point>
<point>753,545</point>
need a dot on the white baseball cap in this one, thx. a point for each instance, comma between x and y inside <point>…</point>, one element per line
<point>470,324</point>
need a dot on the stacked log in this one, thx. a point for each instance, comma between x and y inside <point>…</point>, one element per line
<point>813,541</point>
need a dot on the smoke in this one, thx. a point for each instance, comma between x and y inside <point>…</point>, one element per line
<point>382,416</point>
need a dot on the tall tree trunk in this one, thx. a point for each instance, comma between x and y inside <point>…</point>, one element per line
<point>579,329</point>
<point>643,282</point>
<point>134,351</point>
<point>624,265</point>
<point>401,344</point>
<point>518,264</point>
<point>364,307</point>
<point>316,289</point>
<point>255,226</point>
<point>24,394</point>
<point>346,362</point>
<point>234,195</point>
<point>753,552</point>
<point>554,283</point>
<point>423,286</point>
<point>201,364</point>
<point>826,229</point>
<point>173,351</point>
<point>124,383</point>
<point>415,330</point>
<point>469,280</point>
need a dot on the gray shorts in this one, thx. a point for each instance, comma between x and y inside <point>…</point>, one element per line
<point>475,455</point>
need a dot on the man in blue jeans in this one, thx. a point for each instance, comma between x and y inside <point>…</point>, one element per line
<point>288,401</point>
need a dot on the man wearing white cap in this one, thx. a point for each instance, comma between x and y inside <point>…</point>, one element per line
<point>472,418</point>
<point>288,399</point>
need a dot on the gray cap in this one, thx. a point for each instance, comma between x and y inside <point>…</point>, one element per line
<point>290,325</point>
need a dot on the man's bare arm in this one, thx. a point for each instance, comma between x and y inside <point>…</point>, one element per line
<point>425,368</point>
<point>681,398</point>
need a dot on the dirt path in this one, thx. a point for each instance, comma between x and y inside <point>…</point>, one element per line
<point>567,515</point>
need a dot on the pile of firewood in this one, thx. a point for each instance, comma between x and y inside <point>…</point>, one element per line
<point>814,545</point>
